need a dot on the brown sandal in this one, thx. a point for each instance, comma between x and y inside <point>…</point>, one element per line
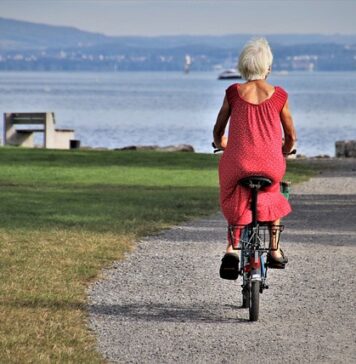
<point>276,263</point>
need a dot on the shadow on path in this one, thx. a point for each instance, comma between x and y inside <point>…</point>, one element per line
<point>160,312</point>
<point>322,219</point>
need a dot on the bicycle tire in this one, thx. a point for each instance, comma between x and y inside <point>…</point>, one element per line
<point>254,300</point>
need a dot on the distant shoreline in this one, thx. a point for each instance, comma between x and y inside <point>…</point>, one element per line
<point>83,71</point>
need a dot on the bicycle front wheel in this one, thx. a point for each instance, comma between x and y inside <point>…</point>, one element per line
<point>254,300</point>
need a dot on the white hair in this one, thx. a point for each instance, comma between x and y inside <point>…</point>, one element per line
<point>255,60</point>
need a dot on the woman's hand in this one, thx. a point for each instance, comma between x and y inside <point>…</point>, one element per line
<point>222,144</point>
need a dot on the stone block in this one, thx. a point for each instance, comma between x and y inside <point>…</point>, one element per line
<point>345,149</point>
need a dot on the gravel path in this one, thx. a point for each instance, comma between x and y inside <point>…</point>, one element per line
<point>166,303</point>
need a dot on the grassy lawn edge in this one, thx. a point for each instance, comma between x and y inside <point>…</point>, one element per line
<point>67,215</point>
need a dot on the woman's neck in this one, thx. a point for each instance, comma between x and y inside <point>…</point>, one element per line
<point>257,81</point>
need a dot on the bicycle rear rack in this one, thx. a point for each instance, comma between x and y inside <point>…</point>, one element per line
<point>257,237</point>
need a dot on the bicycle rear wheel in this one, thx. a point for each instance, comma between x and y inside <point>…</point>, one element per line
<point>254,300</point>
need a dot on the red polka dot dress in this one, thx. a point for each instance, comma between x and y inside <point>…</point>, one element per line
<point>254,148</point>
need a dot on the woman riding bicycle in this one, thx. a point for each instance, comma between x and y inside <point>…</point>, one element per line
<point>257,112</point>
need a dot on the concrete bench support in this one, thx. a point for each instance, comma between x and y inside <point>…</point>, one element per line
<point>345,149</point>
<point>53,138</point>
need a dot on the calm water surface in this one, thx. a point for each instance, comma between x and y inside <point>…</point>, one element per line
<point>124,108</point>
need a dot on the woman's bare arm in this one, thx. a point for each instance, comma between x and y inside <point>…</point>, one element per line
<point>290,136</point>
<point>223,117</point>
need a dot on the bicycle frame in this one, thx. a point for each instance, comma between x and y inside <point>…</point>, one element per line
<point>253,251</point>
<point>252,256</point>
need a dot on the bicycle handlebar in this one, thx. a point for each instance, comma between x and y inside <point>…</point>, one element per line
<point>217,150</point>
<point>293,151</point>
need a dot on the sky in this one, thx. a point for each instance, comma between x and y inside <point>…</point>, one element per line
<point>196,17</point>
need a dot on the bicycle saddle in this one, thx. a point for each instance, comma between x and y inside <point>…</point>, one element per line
<point>255,181</point>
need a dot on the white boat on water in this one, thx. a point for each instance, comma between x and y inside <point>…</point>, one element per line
<point>281,73</point>
<point>187,63</point>
<point>230,74</point>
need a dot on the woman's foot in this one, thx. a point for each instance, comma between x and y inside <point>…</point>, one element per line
<point>278,255</point>
<point>276,259</point>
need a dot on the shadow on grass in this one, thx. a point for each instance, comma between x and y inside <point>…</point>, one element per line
<point>92,158</point>
<point>160,312</point>
<point>119,209</point>
<point>37,303</point>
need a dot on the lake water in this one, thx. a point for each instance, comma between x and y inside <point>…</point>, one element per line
<point>125,108</point>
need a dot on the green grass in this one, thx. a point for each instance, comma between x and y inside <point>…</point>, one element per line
<point>64,215</point>
<point>300,171</point>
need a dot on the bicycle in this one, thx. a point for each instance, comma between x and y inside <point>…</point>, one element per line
<point>254,246</point>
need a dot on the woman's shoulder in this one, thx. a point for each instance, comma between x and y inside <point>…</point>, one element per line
<point>231,93</point>
<point>280,90</point>
<point>280,96</point>
<point>234,86</point>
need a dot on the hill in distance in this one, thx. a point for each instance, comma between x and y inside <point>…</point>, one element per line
<point>32,46</point>
<point>20,35</point>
